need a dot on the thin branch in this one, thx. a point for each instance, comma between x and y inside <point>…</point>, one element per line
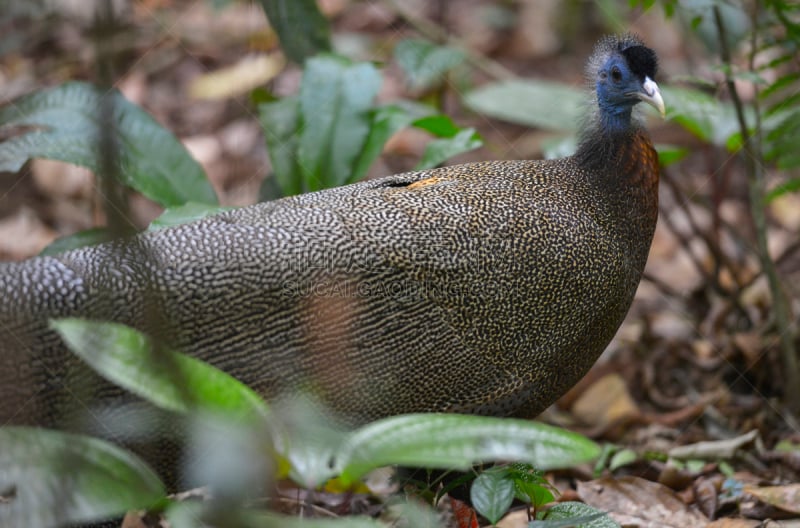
<point>751,146</point>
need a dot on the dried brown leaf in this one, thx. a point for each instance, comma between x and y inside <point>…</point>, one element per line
<point>606,401</point>
<point>786,497</point>
<point>633,501</point>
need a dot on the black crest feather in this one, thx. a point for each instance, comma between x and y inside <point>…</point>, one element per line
<point>641,60</point>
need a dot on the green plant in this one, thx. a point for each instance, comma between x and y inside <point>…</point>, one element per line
<point>32,460</point>
<point>330,133</point>
<point>763,132</point>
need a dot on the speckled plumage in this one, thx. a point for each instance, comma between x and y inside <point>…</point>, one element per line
<point>485,288</point>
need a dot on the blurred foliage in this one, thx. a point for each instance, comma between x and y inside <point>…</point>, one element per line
<point>330,134</point>
<point>60,478</point>
<point>530,102</point>
<point>302,29</point>
<point>425,63</point>
<point>64,123</point>
<point>774,118</point>
<point>230,424</point>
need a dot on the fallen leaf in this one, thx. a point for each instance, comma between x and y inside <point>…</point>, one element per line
<point>247,74</point>
<point>633,501</point>
<point>607,401</point>
<point>714,450</point>
<point>786,498</point>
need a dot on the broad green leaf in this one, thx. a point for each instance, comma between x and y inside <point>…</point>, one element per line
<point>55,478</point>
<point>385,121</point>
<point>573,515</point>
<point>703,115</point>
<point>165,378</point>
<point>425,63</point>
<point>440,150</point>
<point>301,27</point>
<point>535,103</point>
<point>492,494</point>
<point>64,123</point>
<point>335,99</point>
<point>198,515</point>
<point>89,237</point>
<point>188,212</point>
<point>455,441</point>
<point>280,121</point>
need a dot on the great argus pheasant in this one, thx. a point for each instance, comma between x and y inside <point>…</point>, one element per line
<point>486,288</point>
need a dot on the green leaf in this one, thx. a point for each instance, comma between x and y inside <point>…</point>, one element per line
<point>335,98</point>
<point>188,212</point>
<point>425,63</point>
<point>165,378</point>
<point>783,105</point>
<point>530,486</point>
<point>535,103</point>
<point>669,154</point>
<point>454,441</point>
<point>308,439</point>
<point>280,121</point>
<point>791,185</point>
<point>440,150</point>
<point>385,121</point>
<point>302,29</point>
<point>439,125</point>
<point>782,136</point>
<point>55,478</point>
<point>574,514</point>
<point>704,116</point>
<point>88,237</point>
<point>782,82</point>
<point>492,494</point>
<point>621,458</point>
<point>64,123</point>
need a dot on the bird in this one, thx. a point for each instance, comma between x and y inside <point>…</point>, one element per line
<point>486,288</point>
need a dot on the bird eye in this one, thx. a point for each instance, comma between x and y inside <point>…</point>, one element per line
<point>616,74</point>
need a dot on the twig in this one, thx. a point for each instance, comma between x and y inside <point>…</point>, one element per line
<point>754,161</point>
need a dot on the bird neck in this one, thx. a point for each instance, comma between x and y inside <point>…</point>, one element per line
<point>621,160</point>
<point>614,118</point>
<point>606,139</point>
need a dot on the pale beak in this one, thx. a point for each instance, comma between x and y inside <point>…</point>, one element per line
<point>651,95</point>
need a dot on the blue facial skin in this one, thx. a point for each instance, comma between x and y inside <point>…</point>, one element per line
<point>616,88</point>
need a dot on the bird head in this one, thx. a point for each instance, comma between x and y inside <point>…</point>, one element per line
<point>623,71</point>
